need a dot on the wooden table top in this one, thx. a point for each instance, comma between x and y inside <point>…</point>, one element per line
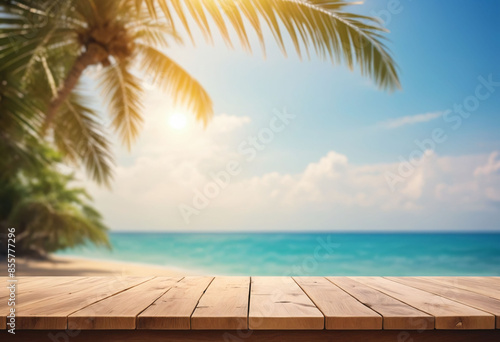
<point>255,303</point>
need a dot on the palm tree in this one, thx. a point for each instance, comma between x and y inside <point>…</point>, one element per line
<point>35,196</point>
<point>46,211</point>
<point>55,41</point>
<point>20,122</point>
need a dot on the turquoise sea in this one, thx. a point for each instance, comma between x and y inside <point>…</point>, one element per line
<point>397,254</point>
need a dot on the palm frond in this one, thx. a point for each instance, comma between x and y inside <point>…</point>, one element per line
<point>173,79</point>
<point>80,137</point>
<point>51,216</point>
<point>124,93</point>
<point>20,120</point>
<point>321,25</point>
<point>154,33</point>
<point>30,30</point>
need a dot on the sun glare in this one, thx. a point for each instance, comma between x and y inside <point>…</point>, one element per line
<point>177,121</point>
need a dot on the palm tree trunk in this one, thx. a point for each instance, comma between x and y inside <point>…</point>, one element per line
<point>94,54</point>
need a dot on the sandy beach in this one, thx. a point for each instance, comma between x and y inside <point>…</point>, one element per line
<point>73,266</point>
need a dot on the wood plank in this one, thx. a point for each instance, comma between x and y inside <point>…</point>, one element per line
<point>46,289</point>
<point>120,311</point>
<point>341,310</point>
<point>173,310</point>
<point>494,281</point>
<point>58,279</point>
<point>470,284</point>
<point>448,314</point>
<point>52,312</point>
<point>396,314</point>
<point>46,302</point>
<point>4,307</point>
<point>20,279</point>
<point>39,284</point>
<point>224,305</point>
<point>29,279</point>
<point>279,303</point>
<point>473,299</point>
<point>25,285</point>
<point>254,336</point>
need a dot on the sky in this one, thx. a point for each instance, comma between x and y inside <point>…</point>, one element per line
<point>306,146</point>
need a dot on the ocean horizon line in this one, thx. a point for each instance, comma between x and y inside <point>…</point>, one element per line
<point>309,232</point>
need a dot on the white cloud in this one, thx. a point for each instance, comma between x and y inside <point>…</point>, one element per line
<point>412,119</point>
<point>334,181</point>
<point>167,167</point>
<point>147,194</point>
<point>492,166</point>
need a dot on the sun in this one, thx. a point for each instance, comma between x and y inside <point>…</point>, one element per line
<point>177,121</point>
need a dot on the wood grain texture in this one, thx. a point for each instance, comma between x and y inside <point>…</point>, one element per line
<point>52,312</point>
<point>43,281</point>
<point>397,315</point>
<point>267,305</point>
<point>41,286</point>
<point>473,299</point>
<point>20,283</point>
<point>341,310</point>
<point>279,303</point>
<point>471,284</point>
<point>48,288</point>
<point>224,305</point>
<point>173,310</point>
<point>4,307</point>
<point>33,289</point>
<point>120,310</point>
<point>493,281</point>
<point>254,336</point>
<point>448,314</point>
